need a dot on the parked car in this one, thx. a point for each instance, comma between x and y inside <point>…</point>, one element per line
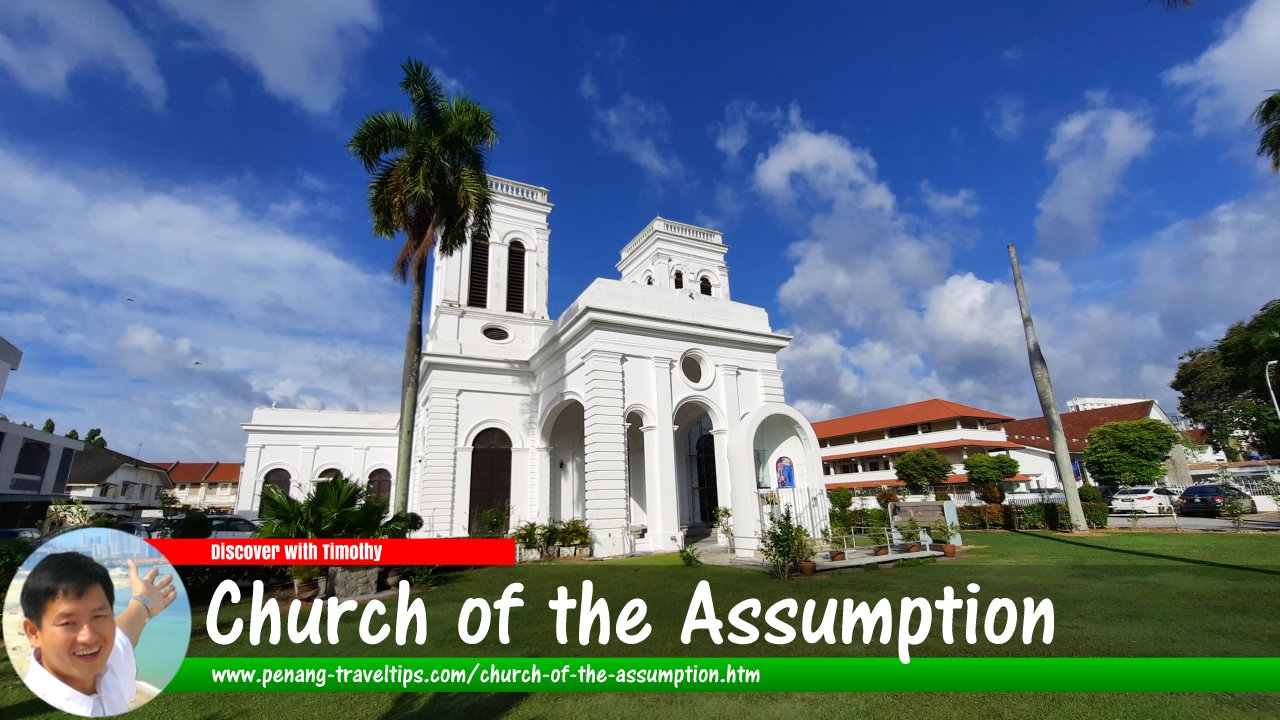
<point>1146,499</point>
<point>135,529</point>
<point>29,535</point>
<point>230,527</point>
<point>1208,499</point>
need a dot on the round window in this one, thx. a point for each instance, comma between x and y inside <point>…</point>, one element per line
<point>496,333</point>
<point>692,369</point>
<point>696,371</point>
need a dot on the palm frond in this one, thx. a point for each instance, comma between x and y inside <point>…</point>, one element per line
<point>379,135</point>
<point>1267,117</point>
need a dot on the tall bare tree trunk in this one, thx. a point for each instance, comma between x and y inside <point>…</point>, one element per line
<point>409,387</point>
<point>1044,389</point>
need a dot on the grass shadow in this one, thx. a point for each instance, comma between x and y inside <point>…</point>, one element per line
<point>448,705</point>
<point>1140,553</point>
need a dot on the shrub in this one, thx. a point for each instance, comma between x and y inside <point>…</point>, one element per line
<point>493,522</point>
<point>886,496</point>
<point>419,575</point>
<point>941,496</point>
<point>528,536</point>
<point>12,554</point>
<point>910,530</point>
<point>840,498</point>
<point>991,493</point>
<point>1090,494</point>
<point>868,517</point>
<point>574,532</point>
<point>689,556</point>
<point>784,544</point>
<point>1027,517</point>
<point>1096,514</point>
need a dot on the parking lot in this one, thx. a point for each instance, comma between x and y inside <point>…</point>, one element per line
<point>1259,522</point>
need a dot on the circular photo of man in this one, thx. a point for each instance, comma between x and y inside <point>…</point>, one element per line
<point>96,622</point>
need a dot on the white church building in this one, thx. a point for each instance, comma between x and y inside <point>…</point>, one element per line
<point>651,401</point>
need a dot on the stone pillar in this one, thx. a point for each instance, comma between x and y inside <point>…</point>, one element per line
<point>605,454</point>
<point>306,470</point>
<point>662,272</point>
<point>771,387</point>
<point>250,480</point>
<point>437,453</point>
<point>724,481</point>
<point>462,493</point>
<point>660,463</point>
<point>540,486</point>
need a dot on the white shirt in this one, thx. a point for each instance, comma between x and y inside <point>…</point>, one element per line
<point>116,686</point>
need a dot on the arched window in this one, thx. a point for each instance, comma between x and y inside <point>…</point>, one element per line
<point>490,483</point>
<point>327,475</point>
<point>648,280</point>
<point>380,484</point>
<point>279,478</point>
<point>478,288</point>
<point>705,286</point>
<point>679,280</point>
<point>515,278</point>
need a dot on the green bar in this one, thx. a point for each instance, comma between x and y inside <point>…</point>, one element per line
<point>713,675</point>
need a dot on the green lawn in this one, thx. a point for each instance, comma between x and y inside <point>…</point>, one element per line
<point>1115,594</point>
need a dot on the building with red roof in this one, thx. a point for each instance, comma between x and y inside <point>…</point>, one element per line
<point>859,451</point>
<point>204,485</point>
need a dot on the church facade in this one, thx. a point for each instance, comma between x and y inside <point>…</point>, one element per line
<point>651,401</point>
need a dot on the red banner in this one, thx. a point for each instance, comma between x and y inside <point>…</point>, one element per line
<point>426,551</point>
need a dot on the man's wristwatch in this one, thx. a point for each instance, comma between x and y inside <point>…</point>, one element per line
<point>145,603</point>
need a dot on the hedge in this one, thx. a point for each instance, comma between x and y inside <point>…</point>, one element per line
<point>1037,516</point>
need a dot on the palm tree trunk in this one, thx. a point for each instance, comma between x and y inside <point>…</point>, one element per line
<point>1044,388</point>
<point>409,386</point>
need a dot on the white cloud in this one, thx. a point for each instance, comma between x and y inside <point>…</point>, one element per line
<point>43,43</point>
<point>1091,150</point>
<point>450,84</point>
<point>116,288</point>
<point>587,88</point>
<point>304,50</point>
<point>639,129</point>
<point>734,131</point>
<point>961,203</point>
<point>1006,116</point>
<point>1230,78</point>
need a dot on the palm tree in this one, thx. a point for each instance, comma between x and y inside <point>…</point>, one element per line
<point>336,508</point>
<point>1267,116</point>
<point>427,181</point>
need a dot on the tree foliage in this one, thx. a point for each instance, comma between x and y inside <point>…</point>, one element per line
<point>336,508</point>
<point>1130,452</point>
<point>49,426</point>
<point>1267,117</point>
<point>921,468</point>
<point>1224,386</point>
<point>986,472</point>
<point>428,181</point>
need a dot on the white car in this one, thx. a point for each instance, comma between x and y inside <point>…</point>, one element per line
<point>1155,500</point>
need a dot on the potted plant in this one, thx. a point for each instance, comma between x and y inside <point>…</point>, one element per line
<point>575,536</point>
<point>805,551</point>
<point>910,535</point>
<point>879,533</point>
<point>306,581</point>
<point>941,532</point>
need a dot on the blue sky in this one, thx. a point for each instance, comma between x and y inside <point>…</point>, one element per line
<point>174,189</point>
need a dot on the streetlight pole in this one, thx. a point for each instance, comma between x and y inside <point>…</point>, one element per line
<point>1269,389</point>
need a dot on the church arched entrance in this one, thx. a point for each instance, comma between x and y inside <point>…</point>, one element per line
<point>490,481</point>
<point>703,497</point>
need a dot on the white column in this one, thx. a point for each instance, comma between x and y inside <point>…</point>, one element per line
<point>435,496</point>
<point>724,486</point>
<point>250,480</point>
<point>462,495</point>
<point>660,460</point>
<point>540,488</point>
<point>306,469</point>
<point>605,454</point>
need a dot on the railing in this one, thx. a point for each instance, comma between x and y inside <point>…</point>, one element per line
<point>26,483</point>
<point>689,231</point>
<point>516,189</point>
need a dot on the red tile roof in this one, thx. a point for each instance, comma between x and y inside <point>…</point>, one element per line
<point>910,414</point>
<point>934,446</point>
<point>1199,436</point>
<point>201,472</point>
<point>1034,432</point>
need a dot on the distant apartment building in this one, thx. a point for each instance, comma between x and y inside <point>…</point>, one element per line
<point>208,486</point>
<point>33,464</point>
<point>859,451</point>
